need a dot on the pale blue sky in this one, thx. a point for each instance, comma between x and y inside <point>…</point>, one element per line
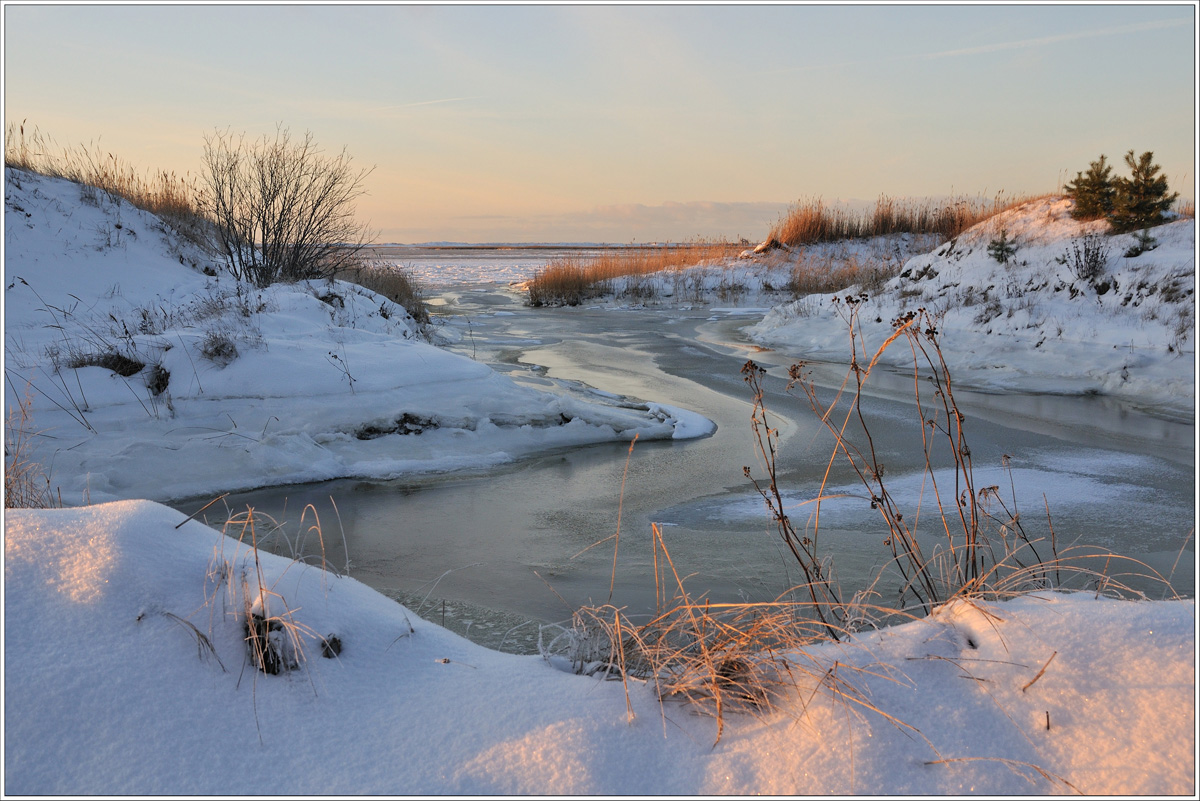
<point>623,123</point>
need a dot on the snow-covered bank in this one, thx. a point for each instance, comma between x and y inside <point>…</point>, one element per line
<point>1038,323</point>
<point>126,672</point>
<point>151,374</point>
<point>126,666</point>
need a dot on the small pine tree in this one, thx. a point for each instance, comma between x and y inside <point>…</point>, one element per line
<point>1142,198</point>
<point>1093,193</point>
<point>1002,249</point>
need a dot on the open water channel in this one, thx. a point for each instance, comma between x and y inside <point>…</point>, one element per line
<point>493,553</point>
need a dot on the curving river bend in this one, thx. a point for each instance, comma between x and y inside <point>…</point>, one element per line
<point>532,541</point>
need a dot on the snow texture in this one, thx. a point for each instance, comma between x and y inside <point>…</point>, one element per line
<point>244,387</point>
<point>126,672</point>
<point>1033,324</point>
<point>126,667</point>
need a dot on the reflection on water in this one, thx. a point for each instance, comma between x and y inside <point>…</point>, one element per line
<point>534,540</point>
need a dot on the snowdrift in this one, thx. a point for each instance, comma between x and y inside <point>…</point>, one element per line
<point>151,374</point>
<point>1072,310</point>
<point>127,672</point>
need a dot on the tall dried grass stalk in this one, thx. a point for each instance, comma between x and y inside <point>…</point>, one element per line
<point>159,192</point>
<point>571,280</point>
<point>810,220</point>
<point>26,484</point>
<point>722,657</point>
<point>397,284</point>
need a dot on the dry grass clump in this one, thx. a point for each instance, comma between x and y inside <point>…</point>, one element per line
<point>823,274</point>
<point>236,585</point>
<point>26,485</point>
<point>397,284</point>
<point>165,194</point>
<point>720,657</point>
<point>809,221</point>
<point>571,280</point>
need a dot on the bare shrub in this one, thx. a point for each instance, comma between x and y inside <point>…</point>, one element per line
<point>283,210</point>
<point>1087,257</point>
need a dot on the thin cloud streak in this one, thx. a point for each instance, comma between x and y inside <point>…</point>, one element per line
<point>1049,40</point>
<point>428,103</point>
<point>990,48</point>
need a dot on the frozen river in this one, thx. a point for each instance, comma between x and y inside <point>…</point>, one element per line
<point>496,548</point>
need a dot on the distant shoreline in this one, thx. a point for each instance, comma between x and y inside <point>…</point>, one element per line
<point>383,249</point>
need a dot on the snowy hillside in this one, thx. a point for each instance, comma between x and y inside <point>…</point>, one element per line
<point>128,629</point>
<point>1069,311</point>
<point>127,672</point>
<point>150,374</point>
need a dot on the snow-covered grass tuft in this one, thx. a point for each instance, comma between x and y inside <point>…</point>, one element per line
<point>102,176</point>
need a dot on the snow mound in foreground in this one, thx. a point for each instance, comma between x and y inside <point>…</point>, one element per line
<point>126,672</point>
<point>1040,322</point>
<point>151,374</point>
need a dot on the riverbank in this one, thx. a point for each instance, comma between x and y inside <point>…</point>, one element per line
<point>126,673</point>
<point>145,372</point>
<point>127,666</point>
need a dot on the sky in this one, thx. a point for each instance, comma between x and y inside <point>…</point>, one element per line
<point>500,123</point>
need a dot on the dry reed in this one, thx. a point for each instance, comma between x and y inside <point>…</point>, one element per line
<point>814,274</point>
<point>572,280</point>
<point>172,197</point>
<point>810,221</point>
<point>26,485</point>
<point>722,657</point>
<point>397,284</point>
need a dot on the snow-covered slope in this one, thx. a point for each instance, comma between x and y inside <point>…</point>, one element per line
<point>126,672</point>
<point>148,378</point>
<point>1038,322</point>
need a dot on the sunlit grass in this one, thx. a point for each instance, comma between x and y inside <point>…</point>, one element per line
<point>571,280</point>
<point>396,283</point>
<point>816,273</point>
<point>810,221</point>
<point>159,192</point>
<point>747,656</point>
